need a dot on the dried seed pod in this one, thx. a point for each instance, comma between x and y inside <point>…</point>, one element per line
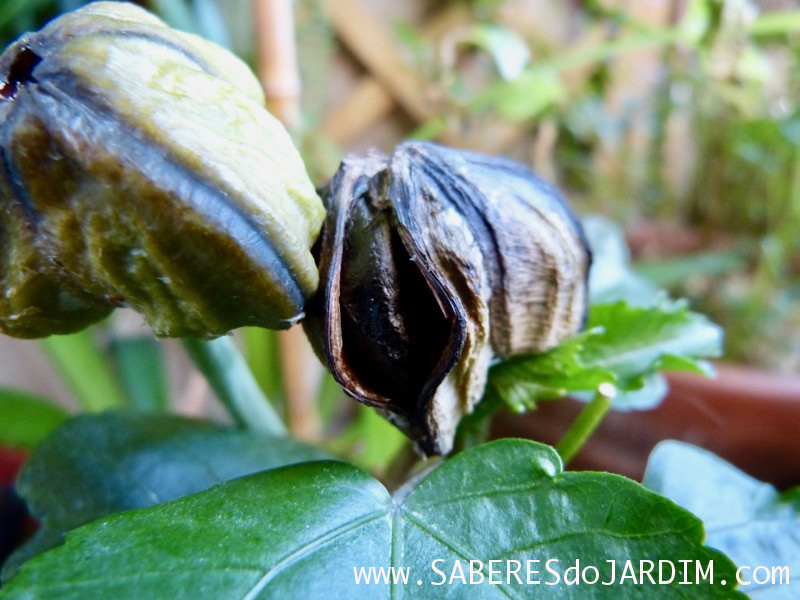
<point>138,166</point>
<point>432,262</point>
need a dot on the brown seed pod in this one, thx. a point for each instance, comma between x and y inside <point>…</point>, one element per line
<point>139,167</point>
<point>432,262</point>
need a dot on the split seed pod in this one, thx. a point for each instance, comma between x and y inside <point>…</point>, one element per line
<point>434,261</point>
<point>139,167</point>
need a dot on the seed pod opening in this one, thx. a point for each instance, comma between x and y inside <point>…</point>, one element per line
<point>432,262</point>
<point>139,167</point>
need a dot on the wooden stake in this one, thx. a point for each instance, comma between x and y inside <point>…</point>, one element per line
<point>279,75</point>
<point>277,59</point>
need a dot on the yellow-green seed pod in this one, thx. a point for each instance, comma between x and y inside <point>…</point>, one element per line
<point>139,167</point>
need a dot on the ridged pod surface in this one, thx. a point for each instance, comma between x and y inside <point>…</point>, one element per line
<point>139,167</point>
<point>433,261</point>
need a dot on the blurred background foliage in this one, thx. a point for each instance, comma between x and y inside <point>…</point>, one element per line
<point>678,119</point>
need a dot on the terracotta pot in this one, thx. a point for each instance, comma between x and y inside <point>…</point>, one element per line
<point>749,417</point>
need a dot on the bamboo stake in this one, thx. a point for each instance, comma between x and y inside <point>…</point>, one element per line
<point>391,80</point>
<point>279,75</point>
<point>370,100</point>
<point>371,42</point>
<point>277,59</point>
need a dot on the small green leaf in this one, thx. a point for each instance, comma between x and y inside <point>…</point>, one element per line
<point>430,129</point>
<point>623,345</point>
<point>25,419</point>
<point>304,531</point>
<point>611,277</point>
<point>633,333</point>
<point>523,381</point>
<point>697,20</point>
<point>100,464</point>
<point>636,341</point>
<point>535,91</point>
<point>508,50</point>
<point>749,520</point>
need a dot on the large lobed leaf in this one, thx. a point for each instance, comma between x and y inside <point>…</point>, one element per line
<point>749,520</point>
<point>95,465</point>
<point>303,531</point>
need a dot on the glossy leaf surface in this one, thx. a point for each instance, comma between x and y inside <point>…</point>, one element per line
<point>758,527</point>
<point>304,531</point>
<point>93,466</point>
<point>624,345</point>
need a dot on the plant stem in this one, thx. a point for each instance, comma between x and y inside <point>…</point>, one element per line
<point>770,24</point>
<point>140,364</point>
<point>610,49</point>
<point>264,359</point>
<point>584,426</point>
<point>227,372</point>
<point>84,368</point>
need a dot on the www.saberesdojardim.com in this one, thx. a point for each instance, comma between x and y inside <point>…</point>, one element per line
<point>553,572</point>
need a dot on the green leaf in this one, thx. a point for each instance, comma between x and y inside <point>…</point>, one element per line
<point>611,277</point>
<point>749,520</point>
<point>430,129</point>
<point>523,381</point>
<point>100,464</point>
<point>626,342</point>
<point>535,91</point>
<point>13,9</point>
<point>623,345</point>
<point>638,341</point>
<point>775,23</point>
<point>697,20</point>
<point>508,50</point>
<point>25,419</point>
<point>304,531</point>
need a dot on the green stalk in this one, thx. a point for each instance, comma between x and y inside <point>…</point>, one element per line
<point>140,364</point>
<point>610,49</point>
<point>766,25</point>
<point>263,358</point>
<point>227,372</point>
<point>85,370</point>
<point>776,23</point>
<point>786,222</point>
<point>584,426</point>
